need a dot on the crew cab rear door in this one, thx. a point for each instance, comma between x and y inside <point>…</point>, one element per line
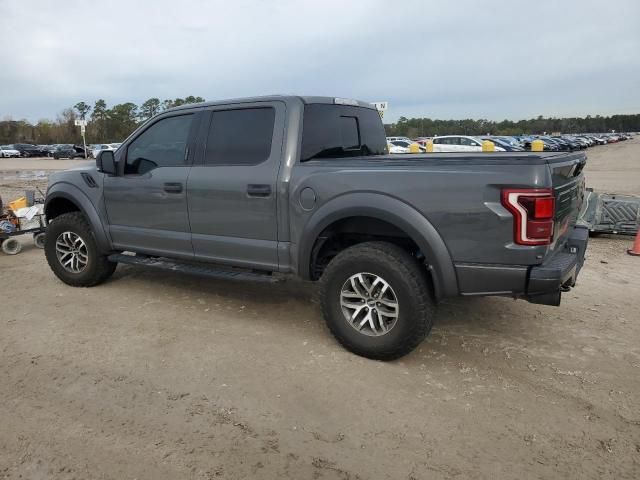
<point>232,185</point>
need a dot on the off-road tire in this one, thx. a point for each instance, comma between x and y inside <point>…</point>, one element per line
<point>411,284</point>
<point>98,268</point>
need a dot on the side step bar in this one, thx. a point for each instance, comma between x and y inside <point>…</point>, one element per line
<point>193,268</point>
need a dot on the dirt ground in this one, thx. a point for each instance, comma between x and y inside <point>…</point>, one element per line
<point>165,376</point>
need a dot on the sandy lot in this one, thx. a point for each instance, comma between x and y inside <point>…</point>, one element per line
<point>158,376</point>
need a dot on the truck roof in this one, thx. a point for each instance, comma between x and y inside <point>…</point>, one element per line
<point>306,99</point>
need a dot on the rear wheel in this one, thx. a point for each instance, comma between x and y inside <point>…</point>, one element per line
<point>376,300</point>
<point>72,252</point>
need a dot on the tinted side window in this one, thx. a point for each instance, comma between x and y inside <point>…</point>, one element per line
<point>339,131</point>
<point>240,137</point>
<point>163,144</point>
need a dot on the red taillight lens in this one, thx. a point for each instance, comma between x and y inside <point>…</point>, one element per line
<point>533,211</point>
<point>544,208</point>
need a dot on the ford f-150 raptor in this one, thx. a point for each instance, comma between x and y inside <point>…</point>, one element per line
<point>245,188</point>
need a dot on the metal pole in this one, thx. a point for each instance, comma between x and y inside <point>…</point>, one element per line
<point>84,141</point>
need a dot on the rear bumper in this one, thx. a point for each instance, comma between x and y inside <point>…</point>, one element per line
<point>558,274</point>
<point>542,284</point>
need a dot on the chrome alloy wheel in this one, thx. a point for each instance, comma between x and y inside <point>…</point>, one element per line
<point>71,252</point>
<point>369,304</point>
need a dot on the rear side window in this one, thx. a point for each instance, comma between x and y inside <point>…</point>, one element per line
<point>340,131</point>
<point>240,137</point>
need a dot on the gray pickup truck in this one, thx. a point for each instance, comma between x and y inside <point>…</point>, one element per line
<point>241,189</point>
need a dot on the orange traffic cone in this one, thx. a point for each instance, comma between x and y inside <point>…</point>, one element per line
<point>635,250</point>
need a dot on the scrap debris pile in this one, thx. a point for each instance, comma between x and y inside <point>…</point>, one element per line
<point>24,215</point>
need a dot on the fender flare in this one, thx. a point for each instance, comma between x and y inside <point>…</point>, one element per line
<point>393,211</point>
<point>76,196</point>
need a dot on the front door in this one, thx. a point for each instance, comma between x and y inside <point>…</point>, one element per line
<point>147,201</point>
<point>232,185</point>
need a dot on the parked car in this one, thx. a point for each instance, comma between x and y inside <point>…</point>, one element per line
<point>68,151</point>
<point>459,143</point>
<point>403,139</point>
<point>397,149</point>
<point>239,190</point>
<point>599,140</point>
<point>573,144</point>
<point>513,141</point>
<point>422,141</point>
<point>99,148</point>
<point>504,145</point>
<point>563,144</point>
<point>28,150</point>
<point>407,145</point>
<point>547,145</point>
<point>583,141</point>
<point>7,151</point>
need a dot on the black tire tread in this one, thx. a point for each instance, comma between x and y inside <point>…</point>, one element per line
<point>393,257</point>
<point>103,267</point>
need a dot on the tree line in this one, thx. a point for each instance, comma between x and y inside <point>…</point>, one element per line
<point>104,125</point>
<point>107,125</point>
<point>427,127</point>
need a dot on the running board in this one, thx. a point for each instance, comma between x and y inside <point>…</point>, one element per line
<point>192,268</point>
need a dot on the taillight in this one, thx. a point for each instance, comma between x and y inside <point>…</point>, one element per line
<point>533,211</point>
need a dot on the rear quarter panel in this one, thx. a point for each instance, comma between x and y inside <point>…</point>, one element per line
<point>459,194</point>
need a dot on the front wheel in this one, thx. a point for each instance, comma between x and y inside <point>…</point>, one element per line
<point>72,252</point>
<point>376,300</point>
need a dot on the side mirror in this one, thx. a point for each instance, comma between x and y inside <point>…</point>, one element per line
<point>106,162</point>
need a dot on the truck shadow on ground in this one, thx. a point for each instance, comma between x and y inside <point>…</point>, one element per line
<point>460,321</point>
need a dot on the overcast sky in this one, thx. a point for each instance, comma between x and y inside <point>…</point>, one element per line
<point>458,59</point>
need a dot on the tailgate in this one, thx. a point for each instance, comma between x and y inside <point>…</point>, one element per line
<point>567,178</point>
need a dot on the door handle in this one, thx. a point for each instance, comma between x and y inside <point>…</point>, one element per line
<point>257,190</point>
<point>171,187</point>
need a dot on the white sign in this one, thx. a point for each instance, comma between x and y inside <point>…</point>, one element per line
<point>82,130</point>
<point>81,123</point>
<point>381,107</point>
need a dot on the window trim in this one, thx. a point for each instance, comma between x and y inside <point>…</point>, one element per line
<point>122,161</point>
<point>358,132</point>
<point>206,131</point>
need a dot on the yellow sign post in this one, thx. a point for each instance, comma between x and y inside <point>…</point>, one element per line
<point>537,146</point>
<point>429,146</point>
<point>488,146</point>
